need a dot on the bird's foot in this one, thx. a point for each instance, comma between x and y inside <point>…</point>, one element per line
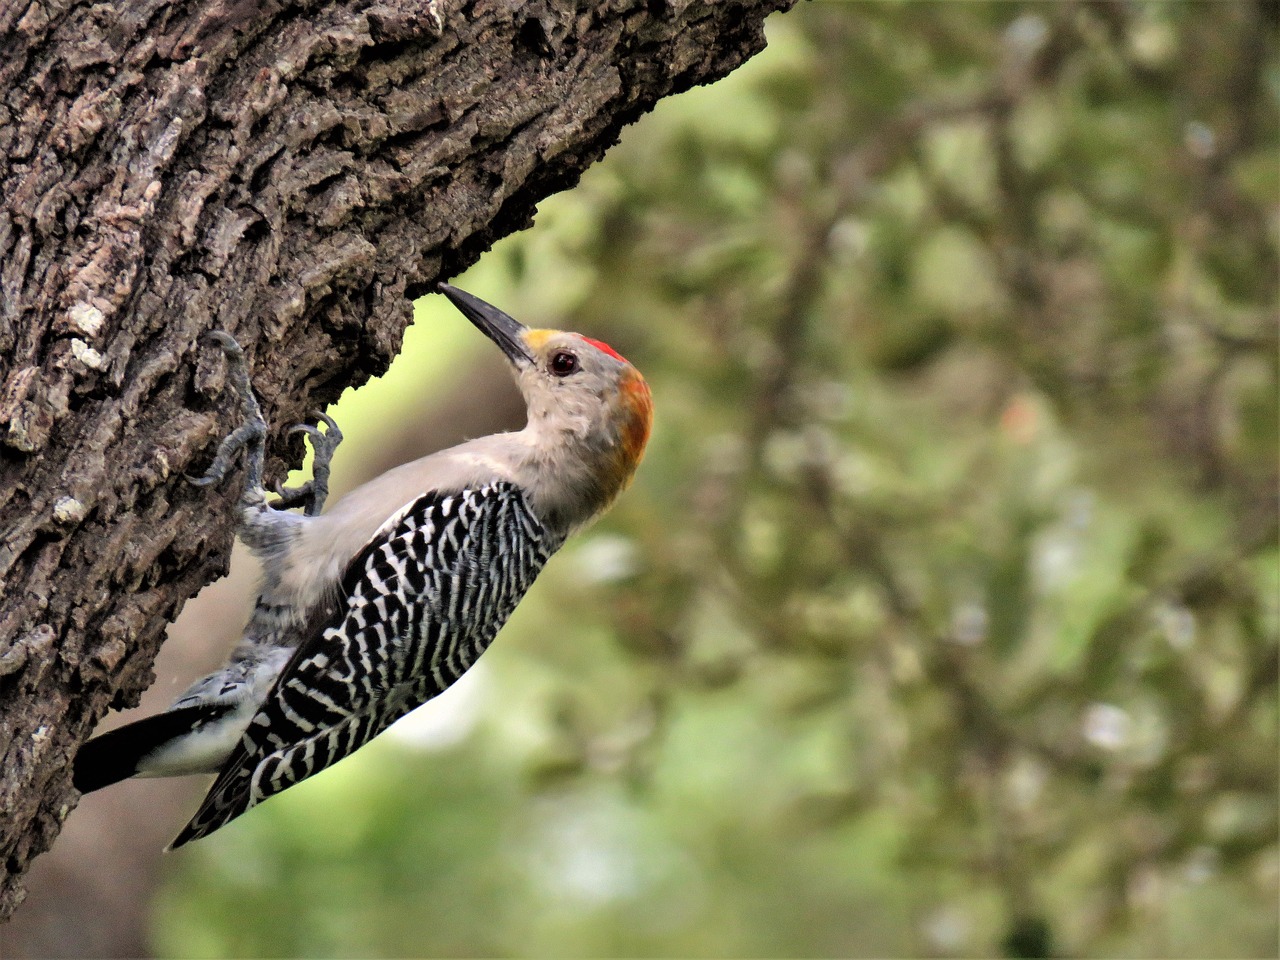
<point>312,494</point>
<point>250,436</point>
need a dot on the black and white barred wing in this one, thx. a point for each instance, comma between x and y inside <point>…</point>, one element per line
<point>420,604</point>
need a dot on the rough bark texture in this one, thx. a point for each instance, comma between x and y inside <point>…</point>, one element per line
<point>294,173</point>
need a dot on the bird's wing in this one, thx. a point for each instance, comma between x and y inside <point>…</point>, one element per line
<point>419,604</point>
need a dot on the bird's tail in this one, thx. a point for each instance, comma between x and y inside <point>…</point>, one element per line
<point>118,754</point>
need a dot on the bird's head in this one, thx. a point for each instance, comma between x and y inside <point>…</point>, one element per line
<point>590,411</point>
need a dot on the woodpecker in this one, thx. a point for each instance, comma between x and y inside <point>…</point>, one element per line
<point>371,608</point>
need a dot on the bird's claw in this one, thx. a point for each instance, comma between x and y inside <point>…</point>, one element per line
<point>230,346</point>
<point>312,494</point>
<point>250,435</point>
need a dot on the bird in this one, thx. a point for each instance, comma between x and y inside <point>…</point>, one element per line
<point>370,608</point>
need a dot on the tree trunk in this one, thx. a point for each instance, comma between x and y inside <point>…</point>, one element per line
<point>294,173</point>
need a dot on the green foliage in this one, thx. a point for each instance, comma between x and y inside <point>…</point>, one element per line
<point>942,618</point>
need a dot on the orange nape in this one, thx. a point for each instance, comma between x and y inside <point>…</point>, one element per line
<point>638,402</point>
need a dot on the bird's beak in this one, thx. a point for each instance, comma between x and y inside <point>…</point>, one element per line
<point>505,331</point>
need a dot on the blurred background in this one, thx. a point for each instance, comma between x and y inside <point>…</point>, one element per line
<point>942,617</point>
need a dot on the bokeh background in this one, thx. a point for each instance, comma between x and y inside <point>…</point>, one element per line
<point>942,617</point>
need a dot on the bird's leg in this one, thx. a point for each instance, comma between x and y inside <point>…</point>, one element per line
<point>250,436</point>
<point>312,494</point>
<point>262,529</point>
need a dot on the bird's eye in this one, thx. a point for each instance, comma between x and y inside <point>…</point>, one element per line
<point>563,363</point>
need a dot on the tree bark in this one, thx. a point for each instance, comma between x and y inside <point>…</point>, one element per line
<point>293,172</point>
